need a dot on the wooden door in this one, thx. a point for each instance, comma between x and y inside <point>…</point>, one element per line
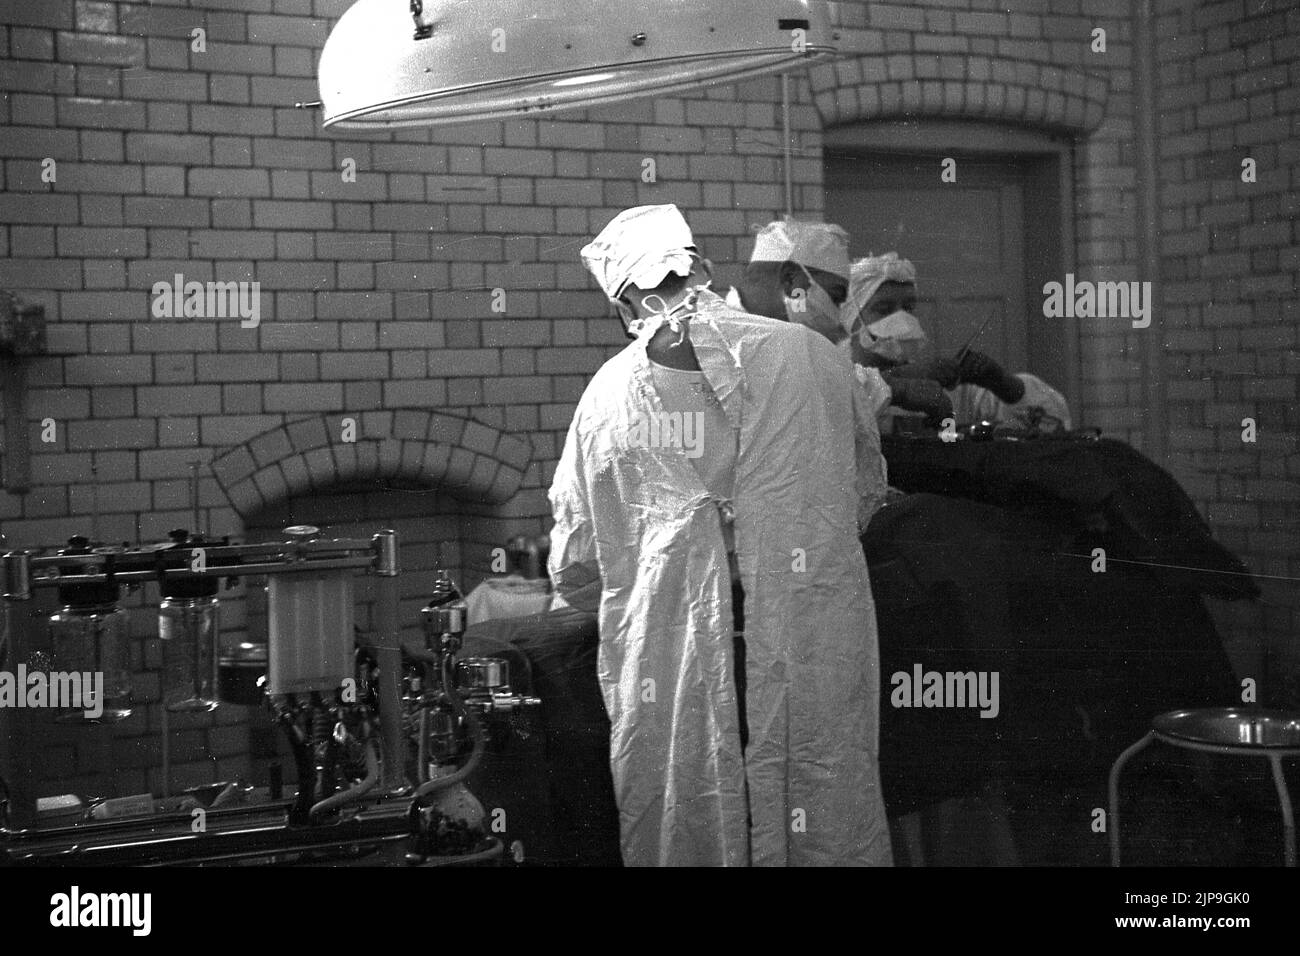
<point>966,239</point>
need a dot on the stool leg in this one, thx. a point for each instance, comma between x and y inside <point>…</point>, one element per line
<point>1288,819</point>
<point>1112,819</point>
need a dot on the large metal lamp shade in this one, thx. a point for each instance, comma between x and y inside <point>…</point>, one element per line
<point>392,63</point>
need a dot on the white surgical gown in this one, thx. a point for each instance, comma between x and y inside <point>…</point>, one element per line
<point>807,789</point>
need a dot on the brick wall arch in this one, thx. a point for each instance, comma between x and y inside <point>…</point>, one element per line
<point>890,86</point>
<point>472,460</point>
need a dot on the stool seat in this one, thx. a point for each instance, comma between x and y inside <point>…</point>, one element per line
<point>1230,731</point>
<point>1234,727</point>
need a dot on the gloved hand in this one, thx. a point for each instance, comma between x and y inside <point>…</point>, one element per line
<point>913,370</point>
<point>920,395</point>
<point>978,369</point>
<point>943,371</point>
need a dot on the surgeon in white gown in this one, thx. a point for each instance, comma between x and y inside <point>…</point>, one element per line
<point>790,449</point>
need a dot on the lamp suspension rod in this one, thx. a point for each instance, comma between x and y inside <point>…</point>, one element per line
<point>787,147</point>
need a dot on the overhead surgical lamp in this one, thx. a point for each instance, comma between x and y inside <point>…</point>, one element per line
<point>395,63</point>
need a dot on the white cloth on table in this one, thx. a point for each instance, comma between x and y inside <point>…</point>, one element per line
<point>971,403</point>
<point>511,596</point>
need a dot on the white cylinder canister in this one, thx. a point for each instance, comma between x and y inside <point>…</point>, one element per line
<point>311,615</point>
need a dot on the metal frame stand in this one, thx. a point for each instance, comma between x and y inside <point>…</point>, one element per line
<point>1274,756</point>
<point>24,572</point>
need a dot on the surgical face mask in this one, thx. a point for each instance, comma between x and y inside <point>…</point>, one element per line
<point>897,325</point>
<point>879,352</point>
<point>815,308</point>
<point>897,339</point>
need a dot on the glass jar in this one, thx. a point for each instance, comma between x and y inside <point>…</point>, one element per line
<point>91,640</point>
<point>91,645</point>
<point>189,629</point>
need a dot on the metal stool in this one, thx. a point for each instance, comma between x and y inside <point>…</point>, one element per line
<point>1231,731</point>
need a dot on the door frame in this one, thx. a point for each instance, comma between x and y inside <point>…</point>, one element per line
<point>1048,161</point>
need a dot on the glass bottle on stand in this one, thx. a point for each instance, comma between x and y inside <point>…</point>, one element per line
<point>90,634</point>
<point>188,625</point>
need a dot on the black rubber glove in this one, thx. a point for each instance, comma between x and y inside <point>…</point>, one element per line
<point>943,371</point>
<point>920,395</point>
<point>978,369</point>
<point>946,373</point>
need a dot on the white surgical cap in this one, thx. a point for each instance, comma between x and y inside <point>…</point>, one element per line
<point>640,245</point>
<point>869,274</point>
<point>817,245</point>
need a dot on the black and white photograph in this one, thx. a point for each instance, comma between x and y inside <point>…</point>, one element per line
<point>566,434</point>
